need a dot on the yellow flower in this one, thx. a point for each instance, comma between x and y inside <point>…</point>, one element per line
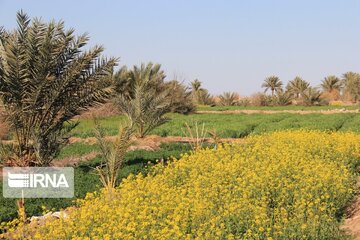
<point>268,187</point>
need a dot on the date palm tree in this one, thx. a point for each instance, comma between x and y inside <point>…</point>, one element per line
<point>229,99</point>
<point>351,82</point>
<point>297,87</point>
<point>272,83</point>
<point>46,78</point>
<point>331,83</point>
<point>148,101</point>
<point>283,98</point>
<point>311,96</point>
<point>196,90</point>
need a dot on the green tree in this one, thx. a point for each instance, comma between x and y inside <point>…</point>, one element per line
<point>196,89</point>
<point>283,98</point>
<point>148,101</point>
<point>200,95</point>
<point>180,97</point>
<point>330,84</point>
<point>351,82</point>
<point>272,83</point>
<point>297,87</point>
<point>45,80</point>
<point>229,99</point>
<point>311,96</point>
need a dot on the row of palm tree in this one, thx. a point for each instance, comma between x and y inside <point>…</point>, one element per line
<point>298,88</point>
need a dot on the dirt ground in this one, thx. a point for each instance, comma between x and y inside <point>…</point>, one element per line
<point>149,143</point>
<point>352,221</point>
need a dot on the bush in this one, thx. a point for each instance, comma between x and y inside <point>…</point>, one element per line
<point>260,99</point>
<point>229,99</point>
<point>286,185</point>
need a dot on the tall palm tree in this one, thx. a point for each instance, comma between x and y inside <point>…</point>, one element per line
<point>272,83</point>
<point>45,80</point>
<point>331,83</point>
<point>351,82</point>
<point>297,87</point>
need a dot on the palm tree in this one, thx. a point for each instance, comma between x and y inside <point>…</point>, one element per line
<point>196,90</point>
<point>297,87</point>
<point>148,101</point>
<point>283,98</point>
<point>351,81</point>
<point>200,95</point>
<point>180,97</point>
<point>273,83</point>
<point>331,83</point>
<point>45,80</point>
<point>229,99</point>
<point>195,85</point>
<point>311,96</point>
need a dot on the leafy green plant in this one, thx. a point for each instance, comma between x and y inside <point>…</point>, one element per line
<point>229,99</point>
<point>311,96</point>
<point>200,95</point>
<point>147,103</point>
<point>351,81</point>
<point>46,78</point>
<point>113,155</point>
<point>297,87</point>
<point>180,98</point>
<point>282,99</point>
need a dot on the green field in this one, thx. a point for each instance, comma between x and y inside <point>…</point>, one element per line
<point>235,125</point>
<point>276,108</point>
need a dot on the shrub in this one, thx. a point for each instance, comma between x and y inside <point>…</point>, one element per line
<point>260,99</point>
<point>180,98</point>
<point>285,185</point>
<point>229,99</point>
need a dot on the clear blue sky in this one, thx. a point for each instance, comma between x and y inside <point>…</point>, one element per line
<point>228,45</point>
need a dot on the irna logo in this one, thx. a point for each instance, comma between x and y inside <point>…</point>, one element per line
<point>38,182</point>
<point>44,180</point>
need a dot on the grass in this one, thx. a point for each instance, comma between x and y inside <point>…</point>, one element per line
<point>290,107</point>
<point>86,179</point>
<point>110,125</point>
<point>77,149</point>
<point>237,125</point>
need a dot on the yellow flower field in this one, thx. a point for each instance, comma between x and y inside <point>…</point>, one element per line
<point>285,185</point>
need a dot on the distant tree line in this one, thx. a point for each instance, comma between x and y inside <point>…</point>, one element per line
<point>297,91</point>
